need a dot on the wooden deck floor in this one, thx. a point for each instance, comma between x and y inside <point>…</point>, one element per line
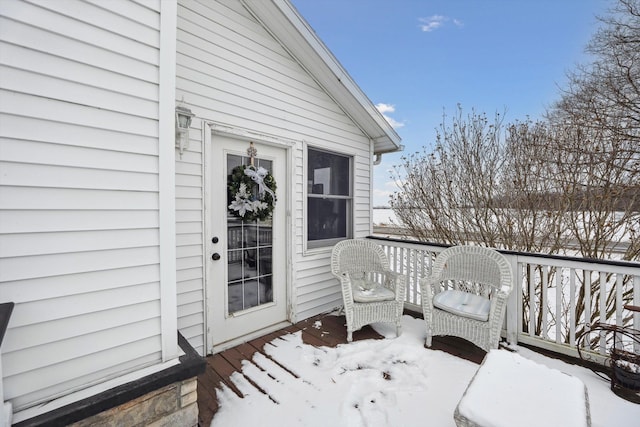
<point>333,332</point>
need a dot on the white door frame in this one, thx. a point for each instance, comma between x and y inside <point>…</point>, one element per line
<point>209,129</point>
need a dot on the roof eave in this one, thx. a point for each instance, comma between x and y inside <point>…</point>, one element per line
<point>284,22</point>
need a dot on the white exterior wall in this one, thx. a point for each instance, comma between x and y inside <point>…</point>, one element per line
<point>189,240</point>
<point>80,174</point>
<point>231,71</point>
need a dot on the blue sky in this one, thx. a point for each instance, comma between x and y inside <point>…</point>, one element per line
<point>421,58</point>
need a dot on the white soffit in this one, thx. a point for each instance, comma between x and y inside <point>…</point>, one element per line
<point>284,22</point>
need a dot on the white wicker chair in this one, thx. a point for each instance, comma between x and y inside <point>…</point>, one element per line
<point>370,290</point>
<point>466,295</point>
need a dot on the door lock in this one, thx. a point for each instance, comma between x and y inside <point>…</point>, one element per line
<point>215,256</point>
<point>215,240</point>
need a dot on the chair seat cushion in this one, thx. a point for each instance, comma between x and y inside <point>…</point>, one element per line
<point>371,292</point>
<point>463,304</point>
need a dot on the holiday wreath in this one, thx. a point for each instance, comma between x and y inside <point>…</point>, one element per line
<point>252,192</point>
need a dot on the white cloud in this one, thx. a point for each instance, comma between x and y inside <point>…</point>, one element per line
<point>385,108</point>
<point>394,123</point>
<point>388,108</point>
<point>432,23</point>
<point>436,21</point>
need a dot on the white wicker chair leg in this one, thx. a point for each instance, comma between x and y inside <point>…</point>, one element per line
<point>349,336</point>
<point>398,329</point>
<point>427,341</point>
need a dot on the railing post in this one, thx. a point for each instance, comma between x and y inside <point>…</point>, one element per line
<point>511,315</point>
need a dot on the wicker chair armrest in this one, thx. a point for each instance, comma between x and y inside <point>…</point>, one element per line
<point>401,287</point>
<point>345,282</point>
<point>433,284</point>
<point>503,293</point>
<point>390,279</point>
<point>499,300</point>
<point>429,289</point>
<point>396,282</point>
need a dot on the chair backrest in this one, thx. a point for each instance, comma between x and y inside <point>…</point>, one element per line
<point>358,256</point>
<point>473,265</point>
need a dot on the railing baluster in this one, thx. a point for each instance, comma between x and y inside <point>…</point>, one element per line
<point>414,294</point>
<point>514,303</point>
<point>395,258</point>
<point>572,307</point>
<point>532,300</point>
<point>586,283</point>
<point>636,315</point>
<point>544,301</point>
<point>603,311</point>
<point>559,294</point>
<point>619,289</point>
<point>520,289</point>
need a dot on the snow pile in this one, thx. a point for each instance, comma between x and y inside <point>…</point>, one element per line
<point>390,382</point>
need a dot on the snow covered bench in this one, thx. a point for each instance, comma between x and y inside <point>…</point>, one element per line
<point>509,390</point>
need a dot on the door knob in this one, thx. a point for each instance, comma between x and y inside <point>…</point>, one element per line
<point>215,256</point>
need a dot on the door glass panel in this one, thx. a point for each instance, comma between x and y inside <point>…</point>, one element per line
<point>249,236</point>
<point>265,261</point>
<point>234,232</point>
<point>249,253</point>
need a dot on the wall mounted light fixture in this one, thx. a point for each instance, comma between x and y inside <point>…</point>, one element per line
<point>183,121</point>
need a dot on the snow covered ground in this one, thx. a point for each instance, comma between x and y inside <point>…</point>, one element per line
<point>384,216</point>
<point>390,382</point>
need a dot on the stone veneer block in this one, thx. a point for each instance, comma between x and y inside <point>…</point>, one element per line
<point>189,385</point>
<point>189,390</point>
<point>172,405</point>
<point>185,417</point>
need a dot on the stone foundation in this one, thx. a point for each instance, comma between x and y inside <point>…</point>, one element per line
<point>173,405</point>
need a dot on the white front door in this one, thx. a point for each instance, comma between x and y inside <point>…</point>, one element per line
<point>246,280</point>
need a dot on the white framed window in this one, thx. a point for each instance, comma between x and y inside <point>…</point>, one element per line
<point>329,197</point>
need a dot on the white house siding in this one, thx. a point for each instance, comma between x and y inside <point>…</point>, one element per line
<point>230,70</point>
<point>79,231</point>
<point>189,241</point>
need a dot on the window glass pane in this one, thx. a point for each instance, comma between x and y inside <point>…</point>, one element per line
<point>327,218</point>
<point>265,261</point>
<point>266,290</point>
<point>234,233</point>
<point>250,263</point>
<point>235,297</point>
<point>235,265</point>
<point>233,161</point>
<point>265,235</point>
<point>251,290</point>
<point>250,235</point>
<point>328,173</point>
<point>267,164</point>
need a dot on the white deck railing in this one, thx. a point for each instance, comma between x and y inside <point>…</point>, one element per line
<point>550,306</point>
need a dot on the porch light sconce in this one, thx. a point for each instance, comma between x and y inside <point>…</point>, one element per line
<point>183,121</point>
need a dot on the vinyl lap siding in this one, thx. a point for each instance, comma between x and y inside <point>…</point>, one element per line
<point>230,70</point>
<point>79,231</point>
<point>189,242</point>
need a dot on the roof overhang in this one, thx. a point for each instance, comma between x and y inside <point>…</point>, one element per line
<point>284,22</point>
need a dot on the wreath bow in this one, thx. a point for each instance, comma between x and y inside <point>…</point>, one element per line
<point>258,177</point>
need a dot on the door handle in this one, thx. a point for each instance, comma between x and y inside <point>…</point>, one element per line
<point>215,256</point>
